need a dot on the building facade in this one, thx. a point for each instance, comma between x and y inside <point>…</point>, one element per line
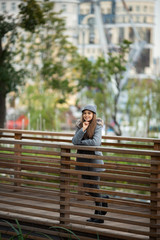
<point>97,25</point>
<point>131,20</point>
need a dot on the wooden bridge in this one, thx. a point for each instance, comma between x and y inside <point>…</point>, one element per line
<point>40,187</point>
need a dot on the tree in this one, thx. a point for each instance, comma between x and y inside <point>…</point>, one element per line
<point>10,75</point>
<point>103,83</point>
<point>49,58</point>
<point>49,54</point>
<point>42,108</point>
<point>42,48</point>
<point>143,102</point>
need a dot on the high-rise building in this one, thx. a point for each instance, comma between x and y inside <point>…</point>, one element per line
<point>99,26</point>
<point>131,20</point>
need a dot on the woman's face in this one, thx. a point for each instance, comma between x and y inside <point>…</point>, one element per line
<point>87,115</point>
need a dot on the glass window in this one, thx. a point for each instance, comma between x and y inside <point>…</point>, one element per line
<point>131,34</point>
<point>121,34</point>
<point>64,7</point>
<point>137,8</point>
<point>145,19</point>
<point>103,10</point>
<point>13,6</point>
<point>108,10</point>
<point>3,6</point>
<point>138,19</point>
<point>145,8</point>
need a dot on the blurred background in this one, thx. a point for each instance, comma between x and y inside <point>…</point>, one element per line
<point>58,55</point>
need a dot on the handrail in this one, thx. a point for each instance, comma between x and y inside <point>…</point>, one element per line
<point>68,134</point>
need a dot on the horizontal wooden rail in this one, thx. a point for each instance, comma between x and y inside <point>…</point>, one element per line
<point>39,183</point>
<point>116,141</point>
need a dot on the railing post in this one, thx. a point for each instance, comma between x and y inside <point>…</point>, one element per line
<point>64,190</point>
<point>155,195</point>
<point>18,136</point>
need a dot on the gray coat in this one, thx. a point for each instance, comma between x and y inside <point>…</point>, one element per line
<point>95,141</point>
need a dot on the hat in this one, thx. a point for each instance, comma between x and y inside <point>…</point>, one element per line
<point>91,108</point>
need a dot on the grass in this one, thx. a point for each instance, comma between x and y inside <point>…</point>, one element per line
<point>20,236</point>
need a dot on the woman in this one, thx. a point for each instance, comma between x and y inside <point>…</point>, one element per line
<point>89,133</point>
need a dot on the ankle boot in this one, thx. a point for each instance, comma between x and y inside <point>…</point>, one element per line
<point>96,220</point>
<point>104,205</point>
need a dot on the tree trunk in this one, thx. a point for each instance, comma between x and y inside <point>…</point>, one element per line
<point>2,110</point>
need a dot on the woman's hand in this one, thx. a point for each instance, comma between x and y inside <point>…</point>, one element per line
<point>85,125</point>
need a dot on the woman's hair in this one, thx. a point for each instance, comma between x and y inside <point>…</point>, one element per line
<point>90,130</point>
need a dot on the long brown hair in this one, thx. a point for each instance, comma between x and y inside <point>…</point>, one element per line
<point>91,128</point>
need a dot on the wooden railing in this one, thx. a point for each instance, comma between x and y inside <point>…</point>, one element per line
<point>39,183</point>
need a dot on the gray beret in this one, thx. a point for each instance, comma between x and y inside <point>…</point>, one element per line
<point>91,108</point>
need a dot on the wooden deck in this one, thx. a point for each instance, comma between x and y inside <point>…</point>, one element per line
<point>40,187</point>
<point>39,209</point>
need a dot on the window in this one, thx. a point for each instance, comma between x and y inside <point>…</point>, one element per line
<point>131,34</point>
<point>64,7</point>
<point>103,10</point>
<point>147,35</point>
<point>143,61</point>
<point>137,8</point>
<point>108,10</point>
<point>145,19</point>
<point>138,19</point>
<point>121,35</point>
<point>3,6</point>
<point>91,23</point>
<point>13,6</point>
<point>145,8</point>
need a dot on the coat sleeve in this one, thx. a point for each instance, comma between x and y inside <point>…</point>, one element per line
<point>95,141</point>
<point>77,138</point>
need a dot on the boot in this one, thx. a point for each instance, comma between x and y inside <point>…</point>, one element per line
<point>104,205</point>
<point>96,220</point>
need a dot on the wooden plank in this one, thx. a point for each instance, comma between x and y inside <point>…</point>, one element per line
<point>107,176</point>
<point>112,184</point>
<point>30,182</point>
<point>112,193</point>
<point>64,197</point>
<point>44,133</point>
<point>6,157</point>
<point>155,195</point>
<point>30,190</point>
<point>28,197</point>
<point>128,145</point>
<point>109,159</point>
<point>34,175</point>
<point>89,148</point>
<point>47,169</point>
<point>25,212</point>
<point>112,158</point>
<point>31,205</point>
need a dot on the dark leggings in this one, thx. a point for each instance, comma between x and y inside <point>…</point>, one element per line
<point>96,186</point>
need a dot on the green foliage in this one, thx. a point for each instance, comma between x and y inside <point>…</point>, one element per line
<point>48,46</point>
<point>31,15</point>
<point>10,77</point>
<point>143,101</point>
<point>6,26</point>
<point>69,231</point>
<point>21,236</point>
<point>42,106</point>
<point>41,48</point>
<point>102,81</point>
